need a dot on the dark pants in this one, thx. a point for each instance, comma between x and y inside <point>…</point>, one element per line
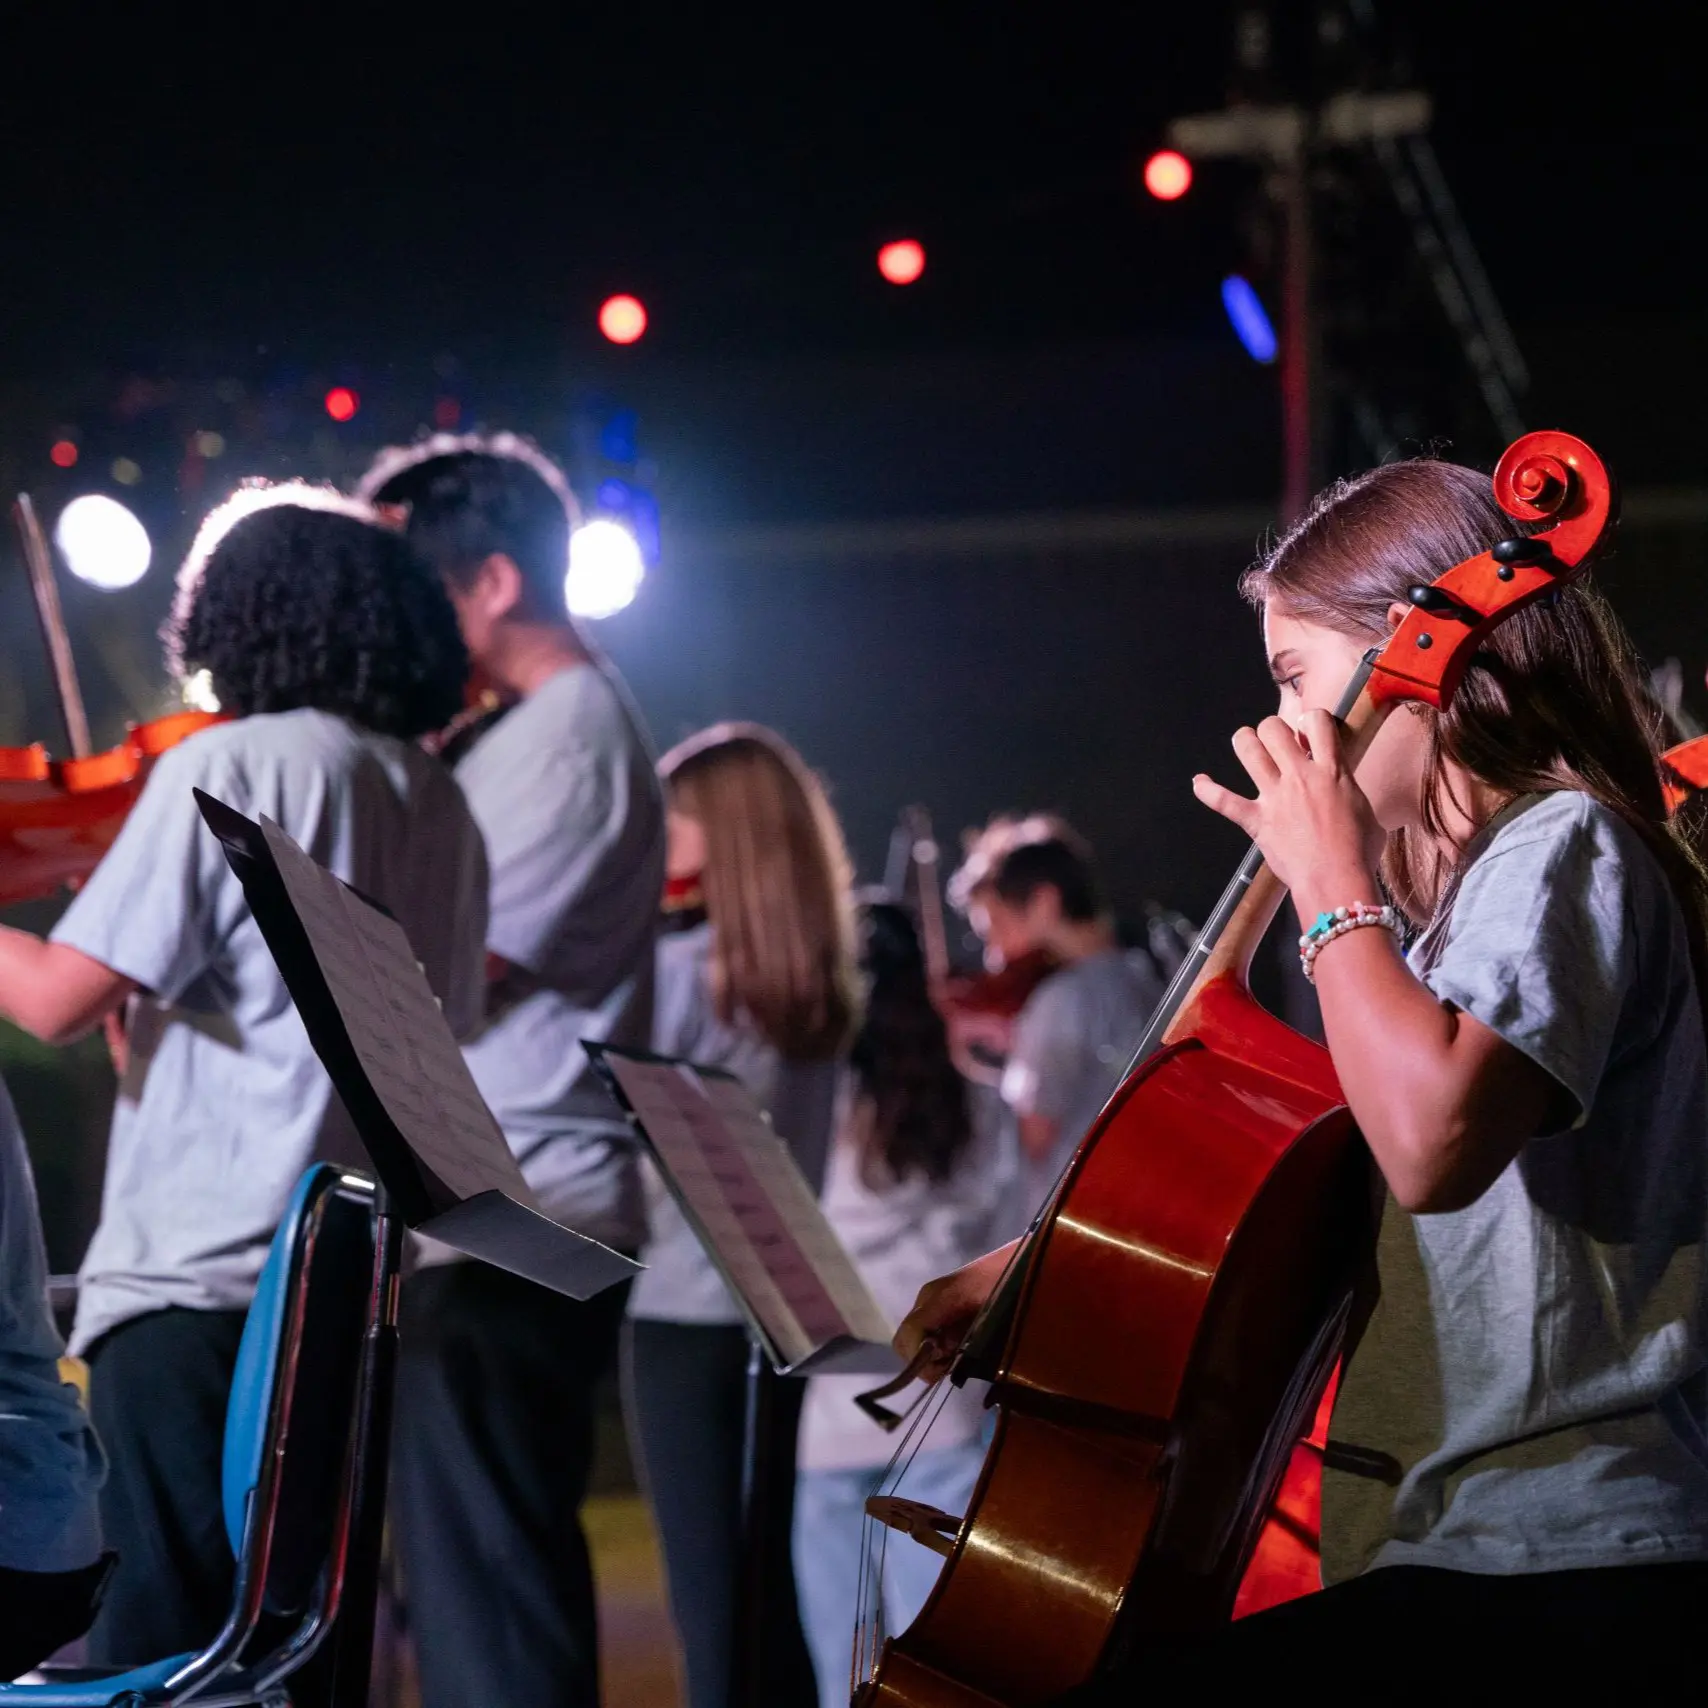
<point>40,1612</point>
<point>1404,1628</point>
<point>492,1450</point>
<point>685,1392</point>
<point>158,1386</point>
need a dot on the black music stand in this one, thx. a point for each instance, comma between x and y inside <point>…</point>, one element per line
<point>443,1166</point>
<point>807,1311</point>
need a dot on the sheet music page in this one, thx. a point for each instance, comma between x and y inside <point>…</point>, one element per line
<point>758,1213</point>
<point>401,1037</point>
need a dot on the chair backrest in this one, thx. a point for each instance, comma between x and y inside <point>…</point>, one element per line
<point>294,1391</point>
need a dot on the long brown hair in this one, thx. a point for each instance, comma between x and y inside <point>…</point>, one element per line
<point>911,1112</point>
<point>777,884</point>
<point>1554,699</point>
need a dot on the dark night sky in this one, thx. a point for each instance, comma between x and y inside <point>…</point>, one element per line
<point>481,176</point>
<point>361,192</point>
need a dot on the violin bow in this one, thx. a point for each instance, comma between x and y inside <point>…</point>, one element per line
<point>45,590</point>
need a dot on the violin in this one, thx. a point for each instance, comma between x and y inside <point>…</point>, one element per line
<point>978,1008</point>
<point>1164,1336</point>
<point>59,816</point>
<point>1685,770</point>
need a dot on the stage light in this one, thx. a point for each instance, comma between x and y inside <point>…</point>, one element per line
<point>198,692</point>
<point>1168,175</point>
<point>447,412</point>
<point>63,454</point>
<point>622,319</point>
<point>102,542</point>
<point>902,262</point>
<point>342,403</point>
<point>206,444</point>
<point>126,472</point>
<point>605,569</point>
<point>1250,320</point>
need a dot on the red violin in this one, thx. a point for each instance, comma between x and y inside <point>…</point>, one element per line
<point>59,816</point>
<point>1163,1339</point>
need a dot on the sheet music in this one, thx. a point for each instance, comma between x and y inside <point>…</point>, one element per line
<point>397,1029</point>
<point>756,1210</point>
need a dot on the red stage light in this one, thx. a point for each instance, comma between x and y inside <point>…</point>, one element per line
<point>63,454</point>
<point>902,262</point>
<point>622,319</point>
<point>1168,176</point>
<point>342,403</point>
<point>447,412</point>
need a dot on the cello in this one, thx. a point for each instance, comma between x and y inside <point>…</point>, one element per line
<point>59,816</point>
<point>1214,1230</point>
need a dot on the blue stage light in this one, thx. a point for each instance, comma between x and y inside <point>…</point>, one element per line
<point>1250,320</point>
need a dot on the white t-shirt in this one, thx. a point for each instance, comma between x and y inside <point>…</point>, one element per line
<point>901,1235</point>
<point>50,1462</point>
<point>566,792</point>
<point>225,1103</point>
<point>680,1283</point>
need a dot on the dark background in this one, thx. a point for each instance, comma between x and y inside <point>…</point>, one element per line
<point>972,542</point>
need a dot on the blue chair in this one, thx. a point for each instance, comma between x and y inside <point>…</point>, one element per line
<point>289,1469</point>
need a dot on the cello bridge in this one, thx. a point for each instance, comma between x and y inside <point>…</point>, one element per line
<point>929,1526</point>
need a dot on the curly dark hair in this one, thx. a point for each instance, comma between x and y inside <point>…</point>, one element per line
<point>912,1100</point>
<point>468,505</point>
<point>301,607</point>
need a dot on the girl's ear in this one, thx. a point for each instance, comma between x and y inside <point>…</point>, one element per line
<point>1397,614</point>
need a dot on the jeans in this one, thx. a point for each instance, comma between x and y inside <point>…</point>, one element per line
<point>830,1512</point>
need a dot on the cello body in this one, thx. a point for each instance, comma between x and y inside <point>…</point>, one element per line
<point>1219,1212</point>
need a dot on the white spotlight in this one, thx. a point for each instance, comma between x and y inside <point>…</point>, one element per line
<point>605,569</point>
<point>103,543</point>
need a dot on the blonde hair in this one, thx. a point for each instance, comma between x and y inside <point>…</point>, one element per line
<point>777,884</point>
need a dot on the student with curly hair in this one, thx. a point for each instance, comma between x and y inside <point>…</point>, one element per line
<point>335,649</point>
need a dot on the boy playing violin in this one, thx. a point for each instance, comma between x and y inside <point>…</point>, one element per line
<point>334,649</point>
<point>497,1377</point>
<point>1030,889</point>
<point>1521,1042</point>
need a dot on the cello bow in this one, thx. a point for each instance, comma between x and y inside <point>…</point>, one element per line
<point>44,592</point>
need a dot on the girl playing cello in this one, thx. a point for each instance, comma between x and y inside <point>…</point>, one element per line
<point>1519,1446</point>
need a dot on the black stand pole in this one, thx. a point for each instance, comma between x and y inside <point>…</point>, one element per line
<point>353,1633</point>
<point>747,1659</point>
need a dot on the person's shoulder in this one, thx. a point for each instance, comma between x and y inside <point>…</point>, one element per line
<point>1565,824</point>
<point>578,725</point>
<point>685,952</point>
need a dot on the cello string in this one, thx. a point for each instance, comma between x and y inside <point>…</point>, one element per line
<point>1163,1016</point>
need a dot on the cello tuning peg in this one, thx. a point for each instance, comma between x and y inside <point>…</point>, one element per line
<point>1440,604</point>
<point>1522,551</point>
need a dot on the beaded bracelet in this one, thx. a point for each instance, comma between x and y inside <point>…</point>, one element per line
<point>1328,926</point>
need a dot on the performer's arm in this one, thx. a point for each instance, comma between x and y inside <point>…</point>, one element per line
<point>54,991</point>
<point>1443,1102</point>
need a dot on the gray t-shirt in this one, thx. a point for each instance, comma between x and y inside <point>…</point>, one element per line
<point>565,790</point>
<point>680,1283</point>
<point>1071,1044</point>
<point>50,1462</point>
<point>1530,1390</point>
<point>224,1103</point>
